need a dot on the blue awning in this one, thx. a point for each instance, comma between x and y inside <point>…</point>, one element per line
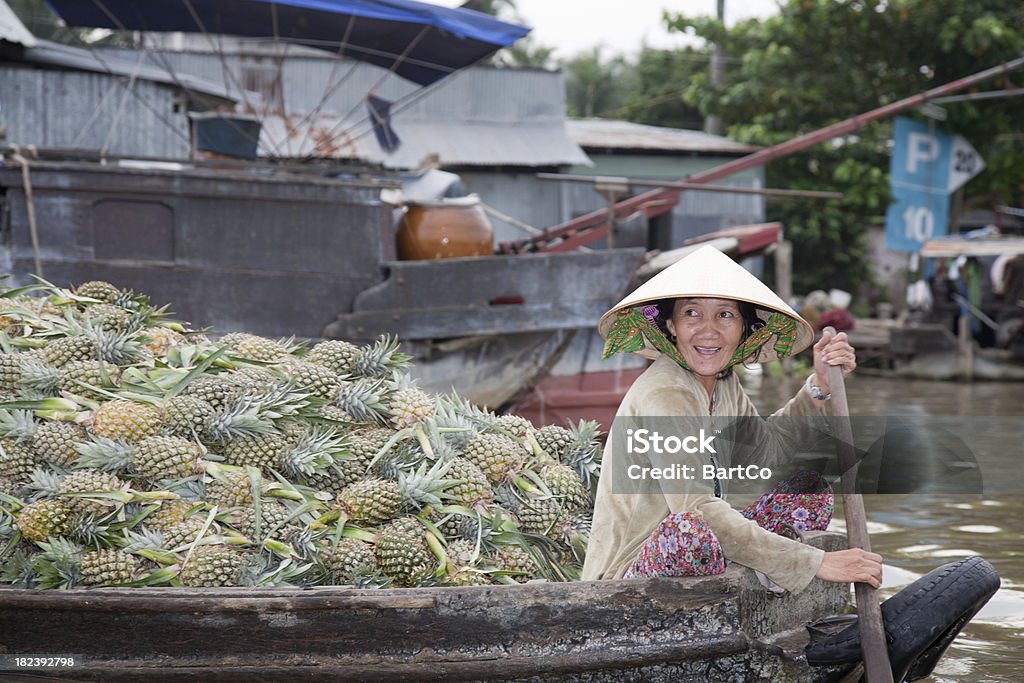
<point>427,42</point>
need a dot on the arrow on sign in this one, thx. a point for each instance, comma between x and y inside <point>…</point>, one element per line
<point>964,163</point>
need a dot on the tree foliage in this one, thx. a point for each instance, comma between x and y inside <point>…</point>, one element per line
<point>822,61</point>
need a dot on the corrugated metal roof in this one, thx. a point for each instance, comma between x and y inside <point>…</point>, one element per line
<point>483,116</point>
<point>71,57</point>
<point>463,143</point>
<point>11,28</point>
<point>623,135</point>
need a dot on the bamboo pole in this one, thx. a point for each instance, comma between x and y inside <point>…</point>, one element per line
<point>872,631</point>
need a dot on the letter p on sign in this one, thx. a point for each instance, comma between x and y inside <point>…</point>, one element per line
<point>922,148</point>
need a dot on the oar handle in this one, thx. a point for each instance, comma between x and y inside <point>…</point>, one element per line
<point>872,631</point>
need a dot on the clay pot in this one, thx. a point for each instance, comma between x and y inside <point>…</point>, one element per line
<point>444,229</point>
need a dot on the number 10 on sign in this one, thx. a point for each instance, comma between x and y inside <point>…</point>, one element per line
<point>919,222</point>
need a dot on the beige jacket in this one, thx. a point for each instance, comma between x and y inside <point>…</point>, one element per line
<point>623,521</point>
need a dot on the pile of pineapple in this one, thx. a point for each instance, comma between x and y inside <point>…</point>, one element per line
<point>135,451</point>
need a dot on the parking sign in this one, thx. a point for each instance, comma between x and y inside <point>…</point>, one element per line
<point>927,165</point>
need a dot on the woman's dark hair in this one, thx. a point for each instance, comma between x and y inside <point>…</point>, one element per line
<point>748,313</point>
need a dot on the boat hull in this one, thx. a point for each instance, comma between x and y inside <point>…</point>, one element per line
<point>726,627</point>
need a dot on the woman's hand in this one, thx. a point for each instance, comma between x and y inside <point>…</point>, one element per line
<point>853,565</point>
<point>832,351</point>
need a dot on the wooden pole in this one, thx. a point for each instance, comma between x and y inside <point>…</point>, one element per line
<point>784,285</point>
<point>872,631</point>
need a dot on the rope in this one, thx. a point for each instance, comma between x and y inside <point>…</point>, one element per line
<point>30,207</point>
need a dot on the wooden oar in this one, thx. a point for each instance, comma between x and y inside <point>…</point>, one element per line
<point>873,646</point>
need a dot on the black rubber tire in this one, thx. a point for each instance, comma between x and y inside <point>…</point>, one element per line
<point>920,621</point>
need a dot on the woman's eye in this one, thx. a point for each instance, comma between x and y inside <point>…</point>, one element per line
<point>726,314</point>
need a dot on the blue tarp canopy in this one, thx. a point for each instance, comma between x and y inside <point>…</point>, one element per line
<point>420,42</point>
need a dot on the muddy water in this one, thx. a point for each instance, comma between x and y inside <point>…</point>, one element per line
<point>916,533</point>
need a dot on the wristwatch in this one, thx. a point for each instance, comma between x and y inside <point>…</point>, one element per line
<point>816,392</point>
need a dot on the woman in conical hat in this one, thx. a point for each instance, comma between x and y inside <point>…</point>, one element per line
<point>696,320</point>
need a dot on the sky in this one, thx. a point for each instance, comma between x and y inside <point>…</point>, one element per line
<point>572,26</point>
<point>622,25</point>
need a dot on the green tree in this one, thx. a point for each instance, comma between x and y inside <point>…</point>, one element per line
<point>594,85</point>
<point>659,79</point>
<point>821,61</point>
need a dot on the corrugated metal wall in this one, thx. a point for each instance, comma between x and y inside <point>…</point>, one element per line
<point>92,111</point>
<point>471,95</point>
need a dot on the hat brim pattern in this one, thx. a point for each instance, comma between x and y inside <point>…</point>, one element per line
<point>707,273</point>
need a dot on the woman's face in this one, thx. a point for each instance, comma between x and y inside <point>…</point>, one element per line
<point>707,333</point>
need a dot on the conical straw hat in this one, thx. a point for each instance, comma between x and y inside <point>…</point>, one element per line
<point>708,272</point>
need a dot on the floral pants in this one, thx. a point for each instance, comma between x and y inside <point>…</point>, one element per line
<point>684,545</point>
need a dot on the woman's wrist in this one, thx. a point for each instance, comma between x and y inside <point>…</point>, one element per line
<point>819,388</point>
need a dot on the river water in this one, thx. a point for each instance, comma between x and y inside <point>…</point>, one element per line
<point>916,533</point>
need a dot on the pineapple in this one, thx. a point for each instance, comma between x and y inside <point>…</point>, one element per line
<point>513,558</point>
<point>472,489</point>
<point>181,533</point>
<point>555,441</point>
<point>42,519</point>
<point>63,350</point>
<point>410,404</point>
<point>347,560</point>
<point>100,290</point>
<point>259,450</point>
<point>10,370</point>
<point>17,460</point>
<point>273,520</point>
<point>232,489</point>
<point>334,354</point>
<point>217,390</point>
<point>170,512</point>
<point>87,481</point>
<point>564,484</point>
<point>160,340</point>
<point>515,425</point>
<point>212,566</point>
<point>109,567</point>
<point>186,415</point>
<point>367,443</point>
<point>543,516</point>
<point>254,347</point>
<point>78,373</point>
<point>370,501</point>
<point>318,380</point>
<point>126,420</point>
<point>462,552</point>
<point>402,553</point>
<point>499,456</point>
<point>464,576</point>
<point>167,457</point>
<point>108,316</point>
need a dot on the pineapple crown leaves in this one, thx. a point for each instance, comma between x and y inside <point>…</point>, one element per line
<point>109,455</point>
<point>380,359</point>
<point>425,485</point>
<point>44,483</point>
<point>59,565</point>
<point>242,416</point>
<point>315,451</point>
<point>19,570</point>
<point>39,377</point>
<point>364,400</point>
<point>94,531</point>
<point>19,425</point>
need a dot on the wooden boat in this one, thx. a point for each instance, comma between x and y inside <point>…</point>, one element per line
<point>721,628</point>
